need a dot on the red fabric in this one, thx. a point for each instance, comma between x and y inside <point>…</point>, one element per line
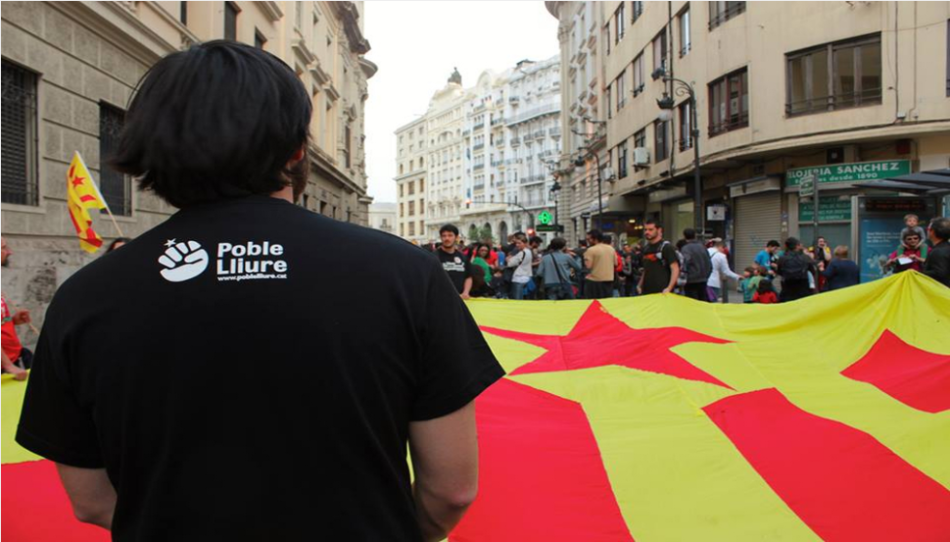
<point>915,377</point>
<point>765,299</point>
<point>492,260</point>
<point>11,342</point>
<point>844,484</point>
<point>541,476</point>
<point>35,507</point>
<point>599,339</point>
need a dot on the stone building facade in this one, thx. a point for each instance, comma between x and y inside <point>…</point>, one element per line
<point>411,155</point>
<point>779,86</point>
<point>69,69</point>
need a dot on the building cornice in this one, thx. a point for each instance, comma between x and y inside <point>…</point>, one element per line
<point>271,10</point>
<point>319,159</point>
<point>349,17</point>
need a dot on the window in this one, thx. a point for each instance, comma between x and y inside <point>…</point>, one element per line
<point>637,11</point>
<point>619,22</point>
<point>686,125</point>
<point>621,90</point>
<point>412,208</point>
<point>20,182</point>
<point>622,160</point>
<point>401,191</point>
<point>729,102</point>
<point>638,75</point>
<point>607,37</point>
<point>402,210</point>
<point>412,187</point>
<point>720,12</point>
<point>640,139</point>
<point>259,39</point>
<point>412,229</point>
<point>659,54</point>
<point>183,13</point>
<point>948,58</point>
<point>609,109</point>
<point>115,187</point>
<point>661,143</point>
<point>834,76</point>
<point>685,41</point>
<point>230,21</point>
<point>348,147</point>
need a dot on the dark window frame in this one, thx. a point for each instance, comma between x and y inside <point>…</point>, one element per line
<point>638,63</point>
<point>720,12</point>
<point>662,61</point>
<point>183,13</point>
<point>620,23</point>
<point>685,118</point>
<point>231,14</point>
<point>640,138</point>
<point>621,90</point>
<point>260,40</point>
<point>20,149</point>
<point>833,101</point>
<point>622,152</point>
<point>661,140</point>
<point>636,10</point>
<point>116,187</point>
<point>686,44</point>
<point>729,122</point>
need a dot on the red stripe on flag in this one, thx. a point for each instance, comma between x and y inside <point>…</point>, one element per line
<point>842,482</point>
<point>541,476</point>
<point>35,507</point>
<point>87,198</point>
<point>915,377</point>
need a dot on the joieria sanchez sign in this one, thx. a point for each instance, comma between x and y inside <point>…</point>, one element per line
<point>843,173</point>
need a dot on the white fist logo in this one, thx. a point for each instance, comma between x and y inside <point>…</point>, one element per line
<point>183,261</point>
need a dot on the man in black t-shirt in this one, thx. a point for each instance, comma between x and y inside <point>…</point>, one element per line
<point>454,262</point>
<point>361,361</point>
<point>661,266</point>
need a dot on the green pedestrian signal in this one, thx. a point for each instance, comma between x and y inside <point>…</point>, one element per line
<point>545,217</point>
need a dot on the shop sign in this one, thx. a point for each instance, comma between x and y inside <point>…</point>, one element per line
<point>845,173</point>
<point>830,209</point>
<point>716,213</point>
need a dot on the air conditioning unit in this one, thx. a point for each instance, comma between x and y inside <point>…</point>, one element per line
<point>641,157</point>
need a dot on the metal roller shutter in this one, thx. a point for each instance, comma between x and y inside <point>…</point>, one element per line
<point>758,220</point>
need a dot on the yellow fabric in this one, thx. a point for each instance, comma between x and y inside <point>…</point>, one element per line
<point>82,195</point>
<point>11,394</point>
<point>675,475</point>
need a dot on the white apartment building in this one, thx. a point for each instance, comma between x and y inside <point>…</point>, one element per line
<point>382,217</point>
<point>411,156</point>
<point>444,123</point>
<point>492,156</point>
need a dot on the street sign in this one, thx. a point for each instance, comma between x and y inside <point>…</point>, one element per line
<point>545,218</point>
<point>550,228</point>
<point>806,186</point>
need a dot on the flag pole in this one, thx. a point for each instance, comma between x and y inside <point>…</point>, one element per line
<point>101,198</point>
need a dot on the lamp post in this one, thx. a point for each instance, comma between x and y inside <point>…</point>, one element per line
<point>556,192</point>
<point>666,104</point>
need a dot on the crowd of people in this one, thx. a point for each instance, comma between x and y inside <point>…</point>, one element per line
<point>524,268</point>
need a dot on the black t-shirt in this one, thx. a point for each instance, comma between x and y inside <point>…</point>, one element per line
<point>457,266</point>
<point>242,374</point>
<point>656,266</point>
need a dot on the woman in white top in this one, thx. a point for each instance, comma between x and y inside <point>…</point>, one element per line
<point>720,269</point>
<point>522,264</point>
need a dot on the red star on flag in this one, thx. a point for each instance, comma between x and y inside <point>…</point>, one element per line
<point>600,339</point>
<point>78,181</point>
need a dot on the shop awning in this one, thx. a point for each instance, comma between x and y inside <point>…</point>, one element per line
<point>932,182</point>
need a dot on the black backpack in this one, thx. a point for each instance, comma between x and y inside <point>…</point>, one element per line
<point>795,267</point>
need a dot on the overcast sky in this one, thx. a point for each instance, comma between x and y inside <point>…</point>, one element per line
<point>417,44</point>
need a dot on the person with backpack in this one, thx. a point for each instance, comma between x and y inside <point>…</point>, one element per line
<point>698,266</point>
<point>555,270</point>
<point>794,267</point>
<point>661,266</point>
<point>520,262</point>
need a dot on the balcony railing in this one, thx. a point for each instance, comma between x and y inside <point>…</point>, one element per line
<point>516,142</point>
<point>498,120</point>
<point>535,112</point>
<point>554,132</point>
<point>514,100</point>
<point>478,126</point>
<point>500,142</point>
<point>477,167</point>
<point>478,146</point>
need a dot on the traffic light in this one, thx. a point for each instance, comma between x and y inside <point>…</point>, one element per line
<point>468,203</point>
<point>530,232</point>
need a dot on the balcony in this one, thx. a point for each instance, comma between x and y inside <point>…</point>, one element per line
<point>516,142</point>
<point>500,142</point>
<point>478,146</point>
<point>498,120</point>
<point>514,100</point>
<point>466,132</point>
<point>497,163</point>
<point>478,167</point>
<point>537,134</point>
<point>478,126</point>
<point>547,109</point>
<point>554,132</point>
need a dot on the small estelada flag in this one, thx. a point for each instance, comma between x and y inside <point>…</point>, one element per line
<point>82,195</point>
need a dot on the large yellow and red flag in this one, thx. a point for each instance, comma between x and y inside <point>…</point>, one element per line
<point>665,419</point>
<point>82,195</point>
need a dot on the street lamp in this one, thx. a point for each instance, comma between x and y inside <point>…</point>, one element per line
<point>666,104</point>
<point>555,192</point>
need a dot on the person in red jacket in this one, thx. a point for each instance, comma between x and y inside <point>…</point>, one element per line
<point>765,294</point>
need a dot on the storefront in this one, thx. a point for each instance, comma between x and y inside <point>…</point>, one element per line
<point>758,217</point>
<point>835,184</point>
